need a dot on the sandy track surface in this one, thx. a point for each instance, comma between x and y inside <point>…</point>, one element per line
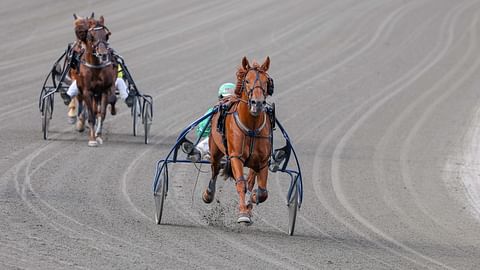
<point>379,97</point>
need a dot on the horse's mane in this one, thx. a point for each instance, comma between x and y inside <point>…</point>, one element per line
<point>241,73</point>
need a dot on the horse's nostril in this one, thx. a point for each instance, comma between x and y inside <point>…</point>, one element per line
<point>264,102</point>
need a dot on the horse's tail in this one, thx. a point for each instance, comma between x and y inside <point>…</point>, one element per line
<point>227,171</point>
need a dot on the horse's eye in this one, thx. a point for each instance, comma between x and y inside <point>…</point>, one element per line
<point>247,81</point>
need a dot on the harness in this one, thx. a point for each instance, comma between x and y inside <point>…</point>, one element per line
<point>249,132</point>
<point>253,134</point>
<point>85,63</point>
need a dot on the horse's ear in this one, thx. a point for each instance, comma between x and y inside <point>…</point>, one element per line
<point>101,20</point>
<point>266,64</point>
<point>75,16</point>
<point>93,14</point>
<point>245,63</point>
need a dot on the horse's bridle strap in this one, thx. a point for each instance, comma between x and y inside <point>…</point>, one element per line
<point>246,130</point>
<point>257,78</point>
<point>85,63</point>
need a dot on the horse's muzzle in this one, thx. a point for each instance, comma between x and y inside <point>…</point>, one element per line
<point>256,106</point>
<point>102,57</point>
<point>102,53</point>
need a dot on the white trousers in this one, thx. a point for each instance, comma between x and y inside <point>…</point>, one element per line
<point>202,146</point>
<point>119,84</point>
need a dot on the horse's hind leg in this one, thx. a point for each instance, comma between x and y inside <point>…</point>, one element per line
<point>72,111</point>
<point>80,115</point>
<point>112,100</point>
<point>216,155</point>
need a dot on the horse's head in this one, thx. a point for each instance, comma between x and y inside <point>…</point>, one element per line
<point>80,25</point>
<point>256,85</point>
<point>97,38</point>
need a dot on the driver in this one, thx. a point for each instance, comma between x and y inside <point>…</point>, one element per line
<point>201,150</point>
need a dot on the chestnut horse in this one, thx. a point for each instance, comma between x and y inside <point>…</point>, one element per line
<point>80,25</point>
<point>248,139</point>
<point>96,77</point>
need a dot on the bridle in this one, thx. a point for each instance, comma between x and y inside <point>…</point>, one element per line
<point>252,133</point>
<point>249,91</point>
<point>95,45</point>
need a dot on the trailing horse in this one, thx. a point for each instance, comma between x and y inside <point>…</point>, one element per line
<point>247,138</point>
<point>96,75</point>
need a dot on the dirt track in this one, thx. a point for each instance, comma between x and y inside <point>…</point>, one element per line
<point>379,97</point>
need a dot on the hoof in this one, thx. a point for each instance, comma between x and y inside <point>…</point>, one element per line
<point>80,127</point>
<point>92,143</point>
<point>208,197</point>
<point>99,140</point>
<point>245,219</point>
<point>259,195</point>
<point>113,110</point>
<point>72,120</point>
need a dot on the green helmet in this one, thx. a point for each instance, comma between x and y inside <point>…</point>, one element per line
<point>226,89</point>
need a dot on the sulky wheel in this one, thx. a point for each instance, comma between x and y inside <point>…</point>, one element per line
<point>136,114</point>
<point>292,209</point>
<point>46,115</point>
<point>160,195</point>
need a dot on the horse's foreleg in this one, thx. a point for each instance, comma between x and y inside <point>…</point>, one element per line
<point>241,186</point>
<point>103,108</point>
<point>261,194</point>
<point>250,183</point>
<point>251,179</point>
<point>101,118</point>
<point>89,103</point>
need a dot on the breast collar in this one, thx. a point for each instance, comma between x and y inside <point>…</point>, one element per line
<point>246,130</point>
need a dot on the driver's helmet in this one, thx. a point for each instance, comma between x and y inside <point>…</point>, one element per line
<point>226,89</point>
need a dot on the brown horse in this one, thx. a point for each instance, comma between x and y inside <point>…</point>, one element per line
<point>80,26</point>
<point>248,139</point>
<point>96,76</point>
